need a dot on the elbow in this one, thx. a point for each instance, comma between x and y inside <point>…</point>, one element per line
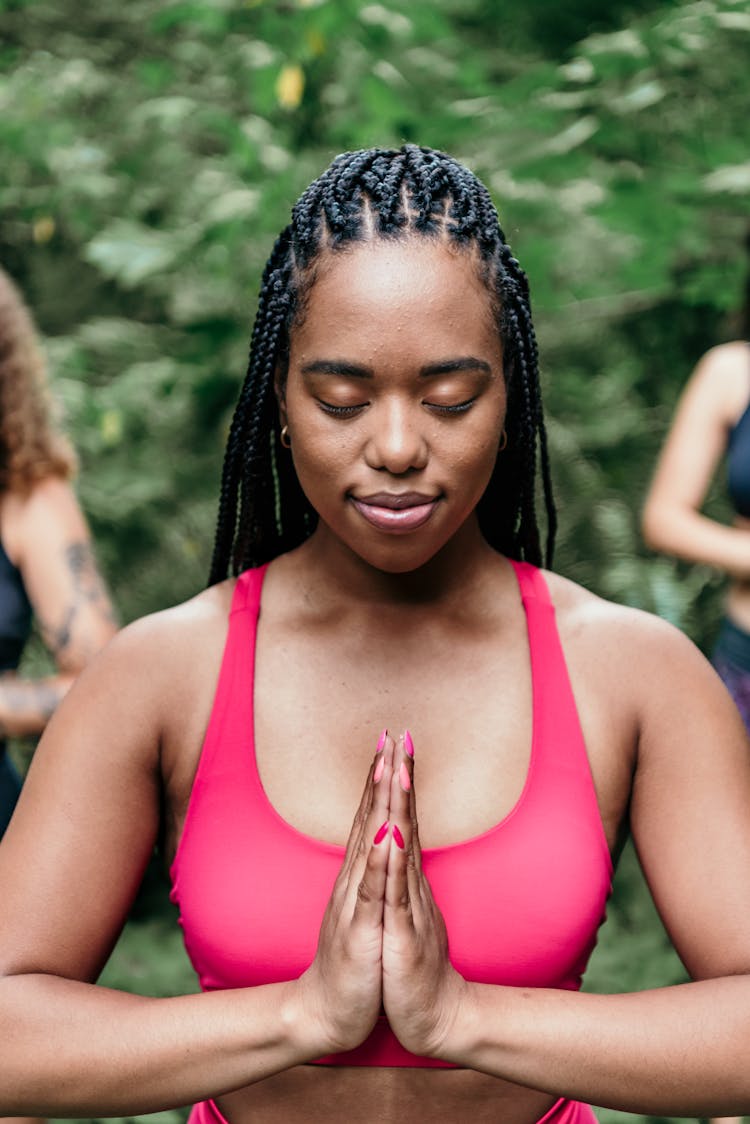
<point>652,528</point>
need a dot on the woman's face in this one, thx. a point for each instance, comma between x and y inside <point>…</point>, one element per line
<point>395,398</point>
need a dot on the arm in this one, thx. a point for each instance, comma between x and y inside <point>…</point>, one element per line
<point>47,536</point>
<point>682,1050</point>
<point>711,404</point>
<point>70,864</point>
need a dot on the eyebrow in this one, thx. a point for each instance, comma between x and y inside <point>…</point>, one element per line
<point>431,370</point>
<point>334,367</point>
<point>448,366</point>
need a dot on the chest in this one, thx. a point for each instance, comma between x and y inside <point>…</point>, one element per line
<point>319,709</point>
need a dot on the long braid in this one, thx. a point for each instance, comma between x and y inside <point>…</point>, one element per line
<point>245,476</point>
<point>366,195</point>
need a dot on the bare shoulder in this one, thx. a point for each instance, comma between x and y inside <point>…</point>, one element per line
<point>50,495</point>
<point>642,675</point>
<point>722,376</point>
<point>727,360</point>
<point>618,643</point>
<point>30,519</point>
<point>183,633</point>
<point>207,608</point>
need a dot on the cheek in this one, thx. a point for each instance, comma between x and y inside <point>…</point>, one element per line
<point>479,442</point>
<point>478,459</point>
<point>319,459</point>
<point>479,465</point>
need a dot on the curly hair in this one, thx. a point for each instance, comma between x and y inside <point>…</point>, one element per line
<point>32,446</point>
<point>410,192</point>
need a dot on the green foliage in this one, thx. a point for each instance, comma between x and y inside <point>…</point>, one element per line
<point>151,152</point>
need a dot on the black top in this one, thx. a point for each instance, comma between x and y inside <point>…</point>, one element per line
<point>738,462</point>
<point>15,614</point>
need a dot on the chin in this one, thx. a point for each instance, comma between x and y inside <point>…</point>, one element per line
<point>398,559</point>
<point>401,566</point>
<point>389,554</point>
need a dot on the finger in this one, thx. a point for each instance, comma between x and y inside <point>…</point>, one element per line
<point>402,886</point>
<point>380,804</point>
<point>409,760</point>
<point>373,805</point>
<point>404,799</point>
<point>401,789</point>
<point>370,890</point>
<point>354,841</point>
<point>399,901</point>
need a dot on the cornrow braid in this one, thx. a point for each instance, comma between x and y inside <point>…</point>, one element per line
<point>362,196</point>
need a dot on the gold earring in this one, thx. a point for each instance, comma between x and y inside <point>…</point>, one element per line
<point>503,441</point>
<point>284,437</point>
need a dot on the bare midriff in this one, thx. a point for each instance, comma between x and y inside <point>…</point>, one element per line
<point>385,1095</point>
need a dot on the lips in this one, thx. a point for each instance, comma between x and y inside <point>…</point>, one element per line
<point>397,512</point>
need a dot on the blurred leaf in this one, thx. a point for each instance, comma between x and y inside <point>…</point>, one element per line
<point>732,178</point>
<point>130,253</point>
<point>290,86</point>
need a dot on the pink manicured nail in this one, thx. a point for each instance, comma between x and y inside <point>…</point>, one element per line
<point>398,837</point>
<point>381,741</point>
<point>379,770</point>
<point>381,833</point>
<point>408,743</point>
<point>403,776</point>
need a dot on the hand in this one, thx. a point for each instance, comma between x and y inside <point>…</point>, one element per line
<point>341,990</point>
<point>421,989</point>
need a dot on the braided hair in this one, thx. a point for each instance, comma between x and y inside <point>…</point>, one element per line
<point>373,194</point>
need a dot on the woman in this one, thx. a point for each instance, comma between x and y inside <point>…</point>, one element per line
<point>47,567</point>
<point>381,456</point>
<point>712,419</point>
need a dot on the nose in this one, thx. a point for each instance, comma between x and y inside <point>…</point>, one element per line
<point>397,443</point>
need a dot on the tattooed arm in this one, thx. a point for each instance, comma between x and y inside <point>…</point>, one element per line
<point>46,536</point>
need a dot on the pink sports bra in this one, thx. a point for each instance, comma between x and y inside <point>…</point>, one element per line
<point>522,901</point>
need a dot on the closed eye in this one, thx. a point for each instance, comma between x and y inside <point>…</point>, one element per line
<point>458,408</point>
<point>341,411</point>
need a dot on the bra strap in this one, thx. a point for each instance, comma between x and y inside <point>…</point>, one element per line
<point>531,583</point>
<point>247,590</point>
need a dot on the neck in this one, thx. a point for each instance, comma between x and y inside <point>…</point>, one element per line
<point>457,568</point>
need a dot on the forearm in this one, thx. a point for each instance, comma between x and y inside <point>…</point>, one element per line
<point>694,537</point>
<point>676,1051</point>
<point>73,1049</point>
<point>26,705</point>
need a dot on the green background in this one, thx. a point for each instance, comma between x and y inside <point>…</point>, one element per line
<point>151,152</point>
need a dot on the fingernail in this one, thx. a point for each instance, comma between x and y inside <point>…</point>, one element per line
<point>408,743</point>
<point>403,776</point>
<point>381,833</point>
<point>379,770</point>
<point>398,837</point>
<point>381,741</point>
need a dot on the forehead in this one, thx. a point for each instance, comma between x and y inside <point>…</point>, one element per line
<point>416,291</point>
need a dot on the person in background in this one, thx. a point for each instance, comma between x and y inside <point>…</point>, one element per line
<point>48,573</point>
<point>711,423</point>
<point>47,568</point>
<point>378,623</point>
